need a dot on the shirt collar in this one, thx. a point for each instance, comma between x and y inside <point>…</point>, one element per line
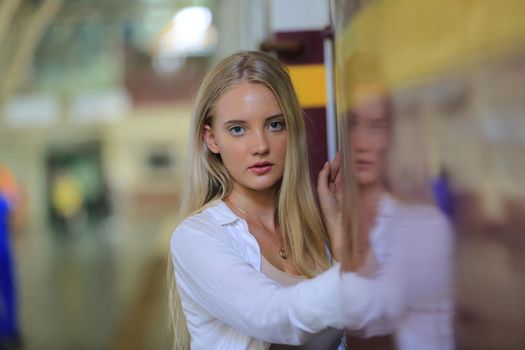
<point>221,213</point>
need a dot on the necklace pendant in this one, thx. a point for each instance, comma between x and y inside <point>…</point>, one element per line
<point>282,253</point>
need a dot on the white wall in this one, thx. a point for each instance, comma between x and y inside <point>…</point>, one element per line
<point>295,15</point>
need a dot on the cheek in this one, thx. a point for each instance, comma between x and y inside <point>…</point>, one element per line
<point>283,143</point>
<point>380,144</point>
<point>230,153</point>
<point>282,146</point>
<point>231,156</point>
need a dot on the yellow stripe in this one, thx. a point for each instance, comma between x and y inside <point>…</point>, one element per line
<point>414,39</point>
<point>310,84</point>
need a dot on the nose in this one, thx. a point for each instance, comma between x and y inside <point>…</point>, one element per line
<point>360,140</point>
<point>259,143</point>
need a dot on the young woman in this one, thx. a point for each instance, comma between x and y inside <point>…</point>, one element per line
<point>406,248</point>
<point>252,226</point>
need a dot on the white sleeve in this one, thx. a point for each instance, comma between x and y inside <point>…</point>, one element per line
<point>217,279</point>
<point>417,270</point>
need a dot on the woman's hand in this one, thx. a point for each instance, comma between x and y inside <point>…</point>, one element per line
<point>329,189</point>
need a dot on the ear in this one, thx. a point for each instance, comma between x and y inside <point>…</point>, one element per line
<point>209,139</point>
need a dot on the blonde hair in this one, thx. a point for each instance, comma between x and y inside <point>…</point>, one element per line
<point>208,180</point>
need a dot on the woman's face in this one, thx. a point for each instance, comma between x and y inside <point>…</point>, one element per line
<point>250,135</point>
<point>369,133</point>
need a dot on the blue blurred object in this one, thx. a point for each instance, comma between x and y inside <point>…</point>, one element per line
<point>8,324</point>
<point>442,194</point>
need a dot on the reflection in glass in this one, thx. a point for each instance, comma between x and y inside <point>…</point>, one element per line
<point>452,137</point>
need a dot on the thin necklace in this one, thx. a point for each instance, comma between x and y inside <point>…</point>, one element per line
<point>282,251</point>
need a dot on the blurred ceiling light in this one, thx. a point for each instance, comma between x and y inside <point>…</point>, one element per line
<point>190,33</point>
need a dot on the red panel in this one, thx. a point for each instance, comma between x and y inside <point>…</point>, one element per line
<point>312,43</point>
<point>315,121</point>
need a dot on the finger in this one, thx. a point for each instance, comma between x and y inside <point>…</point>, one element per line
<point>322,179</point>
<point>335,167</point>
<point>338,179</point>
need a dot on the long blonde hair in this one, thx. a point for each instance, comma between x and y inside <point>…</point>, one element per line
<point>208,180</point>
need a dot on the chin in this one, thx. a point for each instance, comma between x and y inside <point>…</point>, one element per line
<point>366,180</point>
<point>263,185</point>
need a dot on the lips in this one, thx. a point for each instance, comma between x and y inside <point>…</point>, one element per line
<point>261,168</point>
<point>363,164</point>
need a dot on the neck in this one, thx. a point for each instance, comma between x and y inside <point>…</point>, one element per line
<point>370,196</point>
<point>260,205</point>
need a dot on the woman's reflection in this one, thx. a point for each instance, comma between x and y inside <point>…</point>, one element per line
<point>404,247</point>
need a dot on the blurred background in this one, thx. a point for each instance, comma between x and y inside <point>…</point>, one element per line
<point>95,102</point>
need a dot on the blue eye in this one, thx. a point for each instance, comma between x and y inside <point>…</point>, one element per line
<point>237,130</point>
<point>276,125</point>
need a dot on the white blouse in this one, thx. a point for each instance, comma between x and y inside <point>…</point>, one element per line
<point>230,304</point>
<point>411,289</point>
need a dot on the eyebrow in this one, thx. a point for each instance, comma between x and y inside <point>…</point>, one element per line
<point>242,122</point>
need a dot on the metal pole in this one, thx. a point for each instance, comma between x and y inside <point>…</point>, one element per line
<point>331,119</point>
